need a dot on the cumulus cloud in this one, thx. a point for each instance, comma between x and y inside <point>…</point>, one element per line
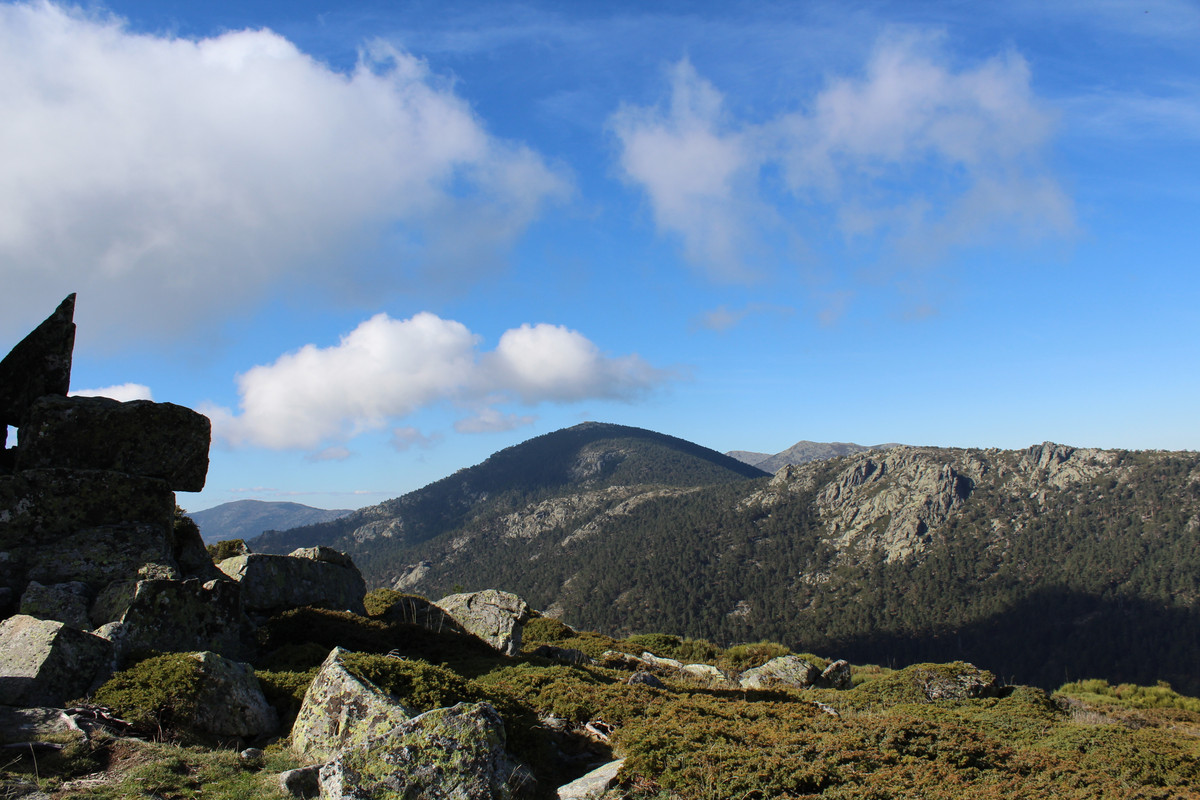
<point>916,155</point>
<point>387,369</point>
<point>123,392</point>
<point>167,176</point>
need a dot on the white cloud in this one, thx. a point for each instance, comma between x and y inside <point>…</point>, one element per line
<point>915,156</point>
<point>124,392</point>
<point>175,178</point>
<point>387,369</point>
<point>696,172</point>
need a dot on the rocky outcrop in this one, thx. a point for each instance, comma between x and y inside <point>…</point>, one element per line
<point>785,672</point>
<point>563,655</point>
<point>314,576</point>
<point>174,616</point>
<point>836,676</point>
<point>342,711</point>
<point>231,702</point>
<point>497,618</point>
<point>39,365</point>
<point>453,753</point>
<point>44,663</point>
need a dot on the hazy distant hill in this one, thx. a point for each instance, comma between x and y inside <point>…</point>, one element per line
<point>245,519</point>
<point>1047,564</point>
<point>803,452</point>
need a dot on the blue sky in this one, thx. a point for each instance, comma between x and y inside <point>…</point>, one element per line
<point>376,242</point>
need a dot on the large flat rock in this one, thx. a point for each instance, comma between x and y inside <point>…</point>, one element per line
<point>139,437</point>
<point>308,577</point>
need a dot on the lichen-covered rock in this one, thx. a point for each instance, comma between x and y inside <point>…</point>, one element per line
<point>43,662</point>
<point>231,702</point>
<point>272,583</point>
<point>593,785</point>
<point>39,365</point>
<point>341,711</point>
<point>645,679</point>
<point>303,783</point>
<point>64,602</point>
<point>139,437</point>
<point>785,672</point>
<point>446,754</point>
<point>496,617</point>
<point>957,680</point>
<point>174,616</point>
<point>706,675</point>
<point>836,675</point>
<point>94,526</point>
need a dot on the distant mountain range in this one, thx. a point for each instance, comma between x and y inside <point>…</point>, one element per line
<point>1047,564</point>
<point>245,519</point>
<point>803,452</point>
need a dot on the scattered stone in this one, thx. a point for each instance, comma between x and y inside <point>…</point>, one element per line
<point>39,365</point>
<point>955,681</point>
<point>446,754</point>
<point>615,659</point>
<point>785,672</point>
<point>139,437</point>
<point>303,783</point>
<point>663,665</point>
<point>64,602</point>
<point>36,723</point>
<point>46,663</point>
<point>231,702</point>
<point>494,616</point>
<point>252,757</point>
<point>836,675</point>
<point>564,655</point>
<point>272,583</point>
<point>707,675</point>
<point>645,679</point>
<point>593,785</point>
<point>341,711</point>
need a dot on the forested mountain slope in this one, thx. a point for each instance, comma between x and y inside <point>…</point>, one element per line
<point>1046,564</point>
<point>594,462</point>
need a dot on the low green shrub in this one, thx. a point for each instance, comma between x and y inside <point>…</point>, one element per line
<point>378,601</point>
<point>285,691</point>
<point>1129,695</point>
<point>545,630</point>
<point>158,695</point>
<point>226,549</point>
<point>419,685</point>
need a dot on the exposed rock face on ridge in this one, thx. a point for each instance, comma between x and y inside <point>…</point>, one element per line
<point>894,501</point>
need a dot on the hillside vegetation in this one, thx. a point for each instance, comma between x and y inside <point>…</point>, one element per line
<point>916,732</point>
<point>1049,564</point>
